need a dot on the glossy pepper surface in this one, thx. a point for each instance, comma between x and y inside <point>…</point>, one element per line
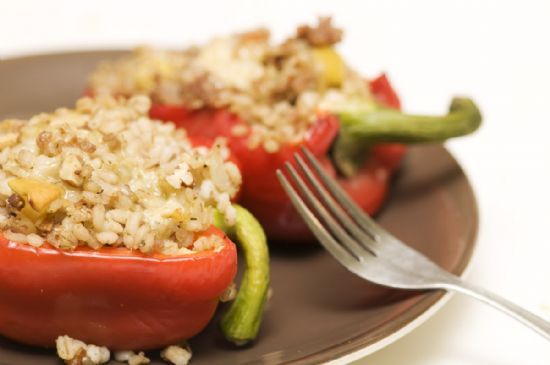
<point>111,297</point>
<point>261,192</point>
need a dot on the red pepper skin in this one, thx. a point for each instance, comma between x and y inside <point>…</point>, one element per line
<point>111,297</point>
<point>282,223</point>
<point>389,154</point>
<point>261,191</point>
<point>384,92</point>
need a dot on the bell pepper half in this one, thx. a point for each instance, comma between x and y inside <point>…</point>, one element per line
<point>126,300</point>
<point>360,143</point>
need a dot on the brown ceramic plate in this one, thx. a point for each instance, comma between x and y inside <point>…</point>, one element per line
<point>319,312</point>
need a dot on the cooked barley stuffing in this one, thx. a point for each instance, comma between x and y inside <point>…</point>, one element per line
<point>276,88</point>
<point>104,174</point>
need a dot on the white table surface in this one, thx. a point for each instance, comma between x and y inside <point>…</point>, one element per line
<point>495,51</point>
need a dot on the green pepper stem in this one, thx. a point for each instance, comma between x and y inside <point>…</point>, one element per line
<point>241,323</point>
<point>363,127</point>
<point>388,125</point>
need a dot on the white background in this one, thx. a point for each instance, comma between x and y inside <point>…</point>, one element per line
<point>497,52</point>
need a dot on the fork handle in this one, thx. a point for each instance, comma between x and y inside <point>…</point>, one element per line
<point>526,317</point>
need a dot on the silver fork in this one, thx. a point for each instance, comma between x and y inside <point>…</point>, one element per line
<point>368,250</point>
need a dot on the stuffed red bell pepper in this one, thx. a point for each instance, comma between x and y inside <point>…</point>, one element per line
<point>107,232</point>
<point>270,99</point>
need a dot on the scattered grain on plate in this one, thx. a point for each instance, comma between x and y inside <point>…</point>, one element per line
<point>73,352</point>
<point>229,294</point>
<point>177,355</point>
<point>132,358</point>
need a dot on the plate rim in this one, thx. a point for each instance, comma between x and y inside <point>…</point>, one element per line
<point>402,332</point>
<point>436,300</point>
<point>433,302</point>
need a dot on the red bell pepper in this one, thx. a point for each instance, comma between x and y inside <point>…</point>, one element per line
<point>357,134</point>
<point>261,192</point>
<point>113,297</point>
<point>384,92</point>
<point>124,299</point>
<point>360,144</point>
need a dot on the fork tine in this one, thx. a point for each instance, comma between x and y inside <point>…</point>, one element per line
<point>364,220</point>
<point>345,239</point>
<point>325,238</point>
<point>363,238</point>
